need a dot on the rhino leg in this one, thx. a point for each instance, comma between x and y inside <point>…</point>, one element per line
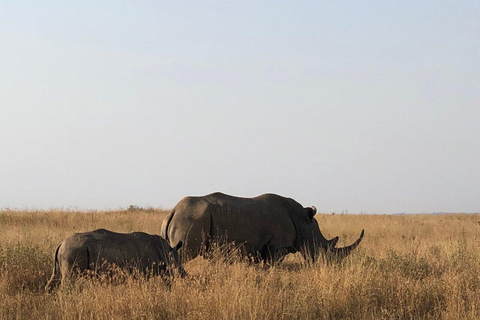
<point>273,255</point>
<point>196,241</point>
<point>73,264</point>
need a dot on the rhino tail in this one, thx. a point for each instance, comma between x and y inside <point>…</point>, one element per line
<point>165,225</point>
<point>55,279</point>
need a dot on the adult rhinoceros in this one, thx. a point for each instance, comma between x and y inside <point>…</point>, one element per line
<point>269,226</point>
<point>96,250</point>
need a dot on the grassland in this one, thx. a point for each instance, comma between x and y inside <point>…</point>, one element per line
<point>407,267</point>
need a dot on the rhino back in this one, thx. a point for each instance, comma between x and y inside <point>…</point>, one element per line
<point>105,246</point>
<point>255,221</point>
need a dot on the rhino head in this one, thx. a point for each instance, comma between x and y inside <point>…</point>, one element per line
<point>315,243</point>
<point>175,262</point>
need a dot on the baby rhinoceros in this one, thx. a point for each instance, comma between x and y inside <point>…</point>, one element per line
<point>96,250</point>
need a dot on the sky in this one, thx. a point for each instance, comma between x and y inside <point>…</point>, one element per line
<point>358,107</point>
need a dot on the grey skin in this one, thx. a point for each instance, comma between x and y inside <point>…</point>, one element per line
<point>268,227</point>
<point>97,250</point>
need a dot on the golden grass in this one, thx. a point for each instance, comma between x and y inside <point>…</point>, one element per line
<point>407,267</point>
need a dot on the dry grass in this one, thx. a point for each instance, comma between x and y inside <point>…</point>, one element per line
<point>408,267</point>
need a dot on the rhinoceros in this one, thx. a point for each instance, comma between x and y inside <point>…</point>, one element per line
<point>267,227</point>
<point>100,249</point>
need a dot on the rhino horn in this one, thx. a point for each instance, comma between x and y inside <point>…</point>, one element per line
<point>333,242</point>
<point>345,251</point>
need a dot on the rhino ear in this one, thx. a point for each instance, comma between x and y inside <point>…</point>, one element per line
<point>311,212</point>
<point>179,245</point>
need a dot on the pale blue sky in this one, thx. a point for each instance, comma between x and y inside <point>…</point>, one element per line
<point>362,106</point>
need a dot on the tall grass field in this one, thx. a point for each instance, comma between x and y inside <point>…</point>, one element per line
<point>407,267</point>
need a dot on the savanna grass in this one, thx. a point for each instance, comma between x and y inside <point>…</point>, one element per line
<point>407,267</point>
